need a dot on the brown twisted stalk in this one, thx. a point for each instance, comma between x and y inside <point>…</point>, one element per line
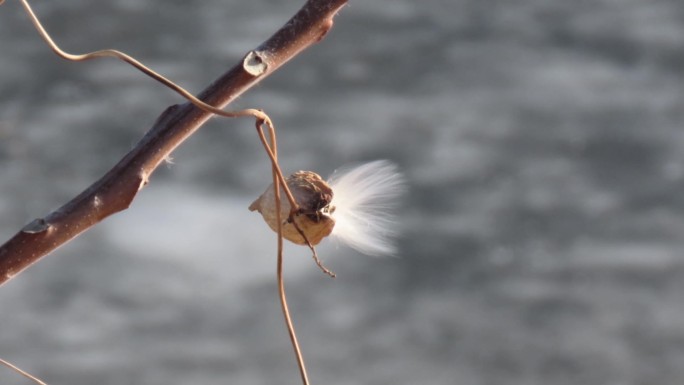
<point>260,116</point>
<point>273,152</point>
<point>306,28</point>
<point>116,189</point>
<point>294,207</point>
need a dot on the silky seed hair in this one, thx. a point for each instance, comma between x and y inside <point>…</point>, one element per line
<point>364,201</point>
<point>356,206</point>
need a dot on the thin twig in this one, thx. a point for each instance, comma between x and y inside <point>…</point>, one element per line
<point>18,369</point>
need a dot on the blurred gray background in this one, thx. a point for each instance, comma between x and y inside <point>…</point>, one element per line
<point>542,235</point>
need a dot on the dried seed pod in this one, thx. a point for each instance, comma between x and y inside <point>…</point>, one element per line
<point>359,213</point>
<point>313,195</point>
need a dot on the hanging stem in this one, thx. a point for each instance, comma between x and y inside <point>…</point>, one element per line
<point>272,150</point>
<point>273,156</point>
<point>115,191</point>
<point>293,203</point>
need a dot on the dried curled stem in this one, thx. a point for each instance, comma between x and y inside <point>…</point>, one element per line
<point>114,191</point>
<point>18,369</point>
<point>294,206</point>
<point>272,150</point>
<point>261,117</point>
<point>258,114</point>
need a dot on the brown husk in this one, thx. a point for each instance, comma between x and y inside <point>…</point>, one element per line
<point>313,195</point>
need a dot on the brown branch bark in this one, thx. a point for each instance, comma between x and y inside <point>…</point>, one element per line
<point>116,190</point>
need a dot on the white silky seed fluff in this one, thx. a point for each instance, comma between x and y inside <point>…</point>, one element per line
<point>364,198</point>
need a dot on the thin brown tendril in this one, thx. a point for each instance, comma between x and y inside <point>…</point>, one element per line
<point>261,119</point>
<point>312,248</point>
<point>14,367</point>
<point>293,204</point>
<point>258,114</point>
<point>273,156</point>
<point>277,177</point>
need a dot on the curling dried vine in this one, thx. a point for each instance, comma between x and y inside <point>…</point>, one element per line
<point>44,234</point>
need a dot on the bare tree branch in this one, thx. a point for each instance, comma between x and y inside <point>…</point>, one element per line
<point>116,190</point>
